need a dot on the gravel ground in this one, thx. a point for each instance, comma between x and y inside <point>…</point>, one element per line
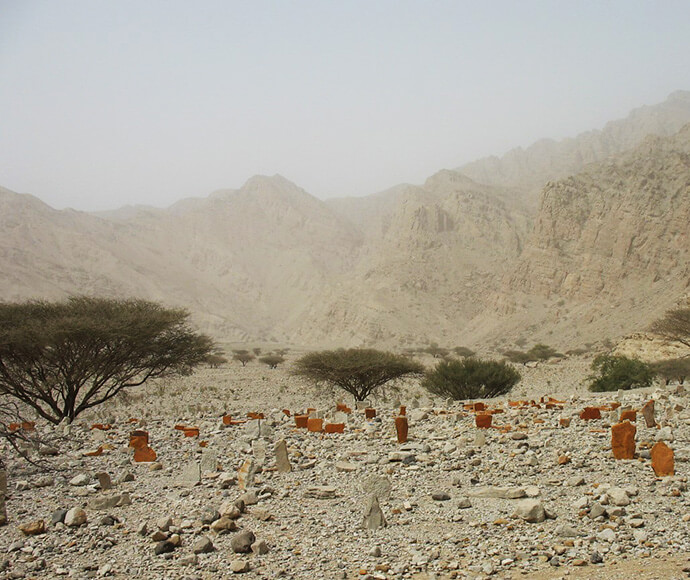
<point>456,499</point>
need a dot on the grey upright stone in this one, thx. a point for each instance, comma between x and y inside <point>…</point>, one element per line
<point>190,476</point>
<point>282,460</point>
<point>373,517</point>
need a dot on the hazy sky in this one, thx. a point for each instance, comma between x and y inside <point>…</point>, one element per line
<point>107,103</point>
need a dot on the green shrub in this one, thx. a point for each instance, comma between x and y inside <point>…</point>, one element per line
<point>243,356</point>
<point>619,372</point>
<point>543,352</point>
<point>518,356</point>
<point>471,378</point>
<point>463,351</point>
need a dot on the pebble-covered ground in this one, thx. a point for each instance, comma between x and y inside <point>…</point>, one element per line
<point>527,498</point>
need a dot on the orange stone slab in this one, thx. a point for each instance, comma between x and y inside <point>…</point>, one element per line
<point>343,408</point>
<point>301,421</point>
<point>403,410</point>
<point>589,413</point>
<point>369,413</point>
<point>253,415</point>
<point>314,425</point>
<point>401,428</point>
<point>191,431</point>
<point>663,462</point>
<point>138,439</point>
<point>623,440</point>
<point>483,421</point>
<point>144,454</point>
<point>629,415</point>
<point>335,428</point>
<point>227,420</point>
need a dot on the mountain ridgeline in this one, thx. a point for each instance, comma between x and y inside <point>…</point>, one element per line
<point>468,257</point>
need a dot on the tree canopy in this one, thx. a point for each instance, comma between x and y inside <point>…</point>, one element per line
<point>620,372</point>
<point>62,358</point>
<point>358,371</point>
<point>675,325</point>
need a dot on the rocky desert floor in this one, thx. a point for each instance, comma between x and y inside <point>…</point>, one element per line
<point>528,497</point>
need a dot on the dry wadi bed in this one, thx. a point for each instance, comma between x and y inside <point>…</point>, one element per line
<point>527,498</point>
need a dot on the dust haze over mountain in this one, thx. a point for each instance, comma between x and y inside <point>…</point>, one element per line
<point>468,257</point>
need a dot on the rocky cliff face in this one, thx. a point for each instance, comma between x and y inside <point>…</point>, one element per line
<point>453,261</point>
<point>610,249</point>
<point>527,170</point>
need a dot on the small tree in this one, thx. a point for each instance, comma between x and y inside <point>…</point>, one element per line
<point>518,356</point>
<point>215,360</point>
<point>61,358</point>
<point>243,357</point>
<point>619,372</point>
<point>358,371</point>
<point>272,360</point>
<point>675,368</point>
<point>542,352</point>
<point>436,351</point>
<point>675,325</point>
<point>471,378</point>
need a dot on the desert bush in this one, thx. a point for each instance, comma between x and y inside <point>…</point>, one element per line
<point>517,356</point>
<point>471,378</point>
<point>463,351</point>
<point>243,357</point>
<point>272,360</point>
<point>358,371</point>
<point>256,351</point>
<point>675,325</point>
<point>619,372</point>
<point>676,368</point>
<point>61,358</point>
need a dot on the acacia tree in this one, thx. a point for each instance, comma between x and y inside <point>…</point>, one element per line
<point>675,325</point>
<point>358,371</point>
<point>61,358</point>
<point>244,357</point>
<point>272,360</point>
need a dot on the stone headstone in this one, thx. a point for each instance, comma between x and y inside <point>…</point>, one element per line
<point>259,451</point>
<point>648,413</point>
<point>623,440</point>
<point>245,474</point>
<point>104,480</point>
<point>373,515</point>
<point>209,461</point>
<point>378,485</point>
<point>662,459</point>
<point>190,476</point>
<point>401,428</point>
<point>282,460</point>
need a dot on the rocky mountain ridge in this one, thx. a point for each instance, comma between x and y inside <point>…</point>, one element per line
<point>453,261</point>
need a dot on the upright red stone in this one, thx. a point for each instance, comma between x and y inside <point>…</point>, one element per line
<point>401,428</point>
<point>589,413</point>
<point>662,459</point>
<point>479,407</point>
<point>253,415</point>
<point>629,415</point>
<point>227,420</point>
<point>334,428</point>
<point>369,413</point>
<point>286,412</point>
<point>483,421</point>
<point>144,454</point>
<point>191,431</point>
<point>403,410</point>
<point>648,413</point>
<point>564,421</point>
<point>301,421</point>
<point>623,440</point>
<point>343,408</point>
<point>138,439</point>
<point>315,425</point>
